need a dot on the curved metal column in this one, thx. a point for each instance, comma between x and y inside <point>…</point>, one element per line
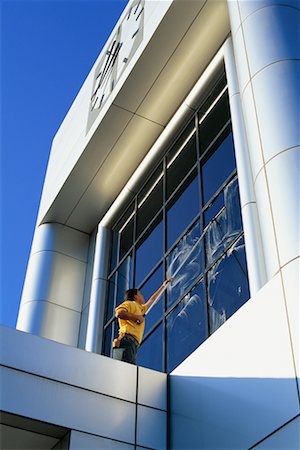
<point>254,252</point>
<point>98,290</point>
<point>266,38</point>
<point>54,285</point>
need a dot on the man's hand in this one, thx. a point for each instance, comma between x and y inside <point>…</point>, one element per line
<point>166,282</point>
<point>139,319</point>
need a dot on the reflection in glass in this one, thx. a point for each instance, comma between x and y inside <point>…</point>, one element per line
<point>150,353</point>
<point>212,123</point>
<point>226,226</point>
<point>156,313</point>
<point>186,327</point>
<point>149,250</point>
<point>183,208</point>
<point>181,158</point>
<point>110,298</point>
<point>185,264</point>
<point>228,287</point>
<point>219,166</point>
<point>124,278</point>
<point>150,200</point>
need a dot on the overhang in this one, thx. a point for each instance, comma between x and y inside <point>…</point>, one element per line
<point>182,45</point>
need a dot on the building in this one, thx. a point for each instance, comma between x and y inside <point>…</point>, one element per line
<point>179,156</point>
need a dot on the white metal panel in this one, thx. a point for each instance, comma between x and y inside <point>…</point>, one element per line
<point>139,134</point>
<point>277,28</point>
<point>56,278</point>
<point>277,98</point>
<point>151,428</point>
<point>85,441</point>
<point>72,407</point>
<point>234,15</point>
<point>241,58</point>
<point>50,321</point>
<point>67,364</point>
<point>283,173</point>
<point>248,7</point>
<point>291,282</point>
<point>152,388</point>
<point>60,238</point>
<point>287,438</point>
<point>243,374</point>
<point>266,225</point>
<point>252,131</point>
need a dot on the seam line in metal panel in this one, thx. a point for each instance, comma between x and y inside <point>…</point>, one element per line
<point>264,7</point>
<point>274,432</point>
<point>60,253</point>
<point>132,402</point>
<point>275,156</point>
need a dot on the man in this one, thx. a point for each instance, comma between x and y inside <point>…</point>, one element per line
<point>131,315</point>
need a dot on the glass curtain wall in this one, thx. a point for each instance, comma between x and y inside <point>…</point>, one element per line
<point>186,223</point>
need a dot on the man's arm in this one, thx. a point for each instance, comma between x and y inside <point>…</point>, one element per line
<point>125,315</point>
<point>156,294</point>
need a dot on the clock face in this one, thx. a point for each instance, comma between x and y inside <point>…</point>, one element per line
<point>119,52</point>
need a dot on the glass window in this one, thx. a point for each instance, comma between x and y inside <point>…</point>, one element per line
<point>156,312</point>
<point>186,326</point>
<point>107,341</point>
<point>122,236</point>
<point>150,200</point>
<point>192,187</point>
<point>214,208</point>
<point>149,250</point>
<point>124,278</point>
<point>181,158</point>
<point>213,120</point>
<point>228,287</point>
<point>183,208</point>
<point>220,164</point>
<point>150,354</point>
<point>110,298</point>
<point>185,264</point>
<point>226,226</point>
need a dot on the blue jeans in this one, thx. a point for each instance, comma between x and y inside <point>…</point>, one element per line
<point>127,350</point>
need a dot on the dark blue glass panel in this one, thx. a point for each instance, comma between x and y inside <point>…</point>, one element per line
<point>122,236</point>
<point>150,200</point>
<point>107,342</point>
<point>183,209</point>
<point>226,226</point>
<point>148,289</point>
<point>149,250</point>
<point>214,208</point>
<point>186,327</point>
<point>228,287</point>
<point>181,158</point>
<point>124,278</point>
<point>212,123</point>
<point>150,353</point>
<point>218,167</point>
<point>110,298</point>
<point>185,264</point>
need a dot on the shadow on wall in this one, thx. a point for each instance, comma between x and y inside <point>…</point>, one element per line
<point>233,413</point>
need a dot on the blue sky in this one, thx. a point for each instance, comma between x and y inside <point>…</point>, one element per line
<point>47,50</point>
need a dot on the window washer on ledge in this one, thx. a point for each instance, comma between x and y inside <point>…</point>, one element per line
<point>131,315</point>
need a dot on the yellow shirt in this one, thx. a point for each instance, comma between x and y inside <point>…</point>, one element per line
<point>129,326</point>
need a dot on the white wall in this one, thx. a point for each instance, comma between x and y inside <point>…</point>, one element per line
<point>89,393</point>
<point>240,385</point>
<point>53,292</point>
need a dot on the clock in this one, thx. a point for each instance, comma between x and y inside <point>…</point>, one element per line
<point>119,51</point>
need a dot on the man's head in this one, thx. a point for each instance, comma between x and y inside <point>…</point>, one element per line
<point>134,295</point>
